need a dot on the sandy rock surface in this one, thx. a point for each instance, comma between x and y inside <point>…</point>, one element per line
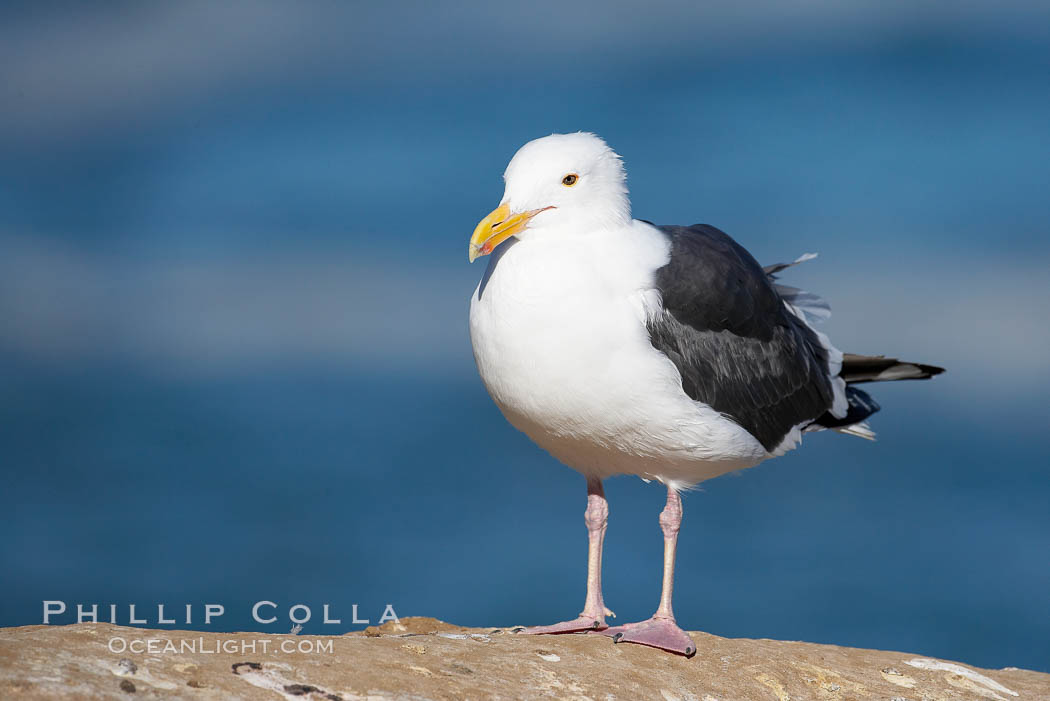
<point>422,658</point>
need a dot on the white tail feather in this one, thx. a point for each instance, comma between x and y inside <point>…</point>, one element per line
<point>861,430</point>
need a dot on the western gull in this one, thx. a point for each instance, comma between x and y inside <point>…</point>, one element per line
<point>667,352</point>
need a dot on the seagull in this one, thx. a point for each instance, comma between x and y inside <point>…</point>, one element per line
<point>666,352</point>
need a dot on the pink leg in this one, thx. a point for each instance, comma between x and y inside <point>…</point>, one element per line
<point>661,631</point>
<point>594,611</point>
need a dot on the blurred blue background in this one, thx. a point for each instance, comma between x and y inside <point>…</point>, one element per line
<point>233,298</point>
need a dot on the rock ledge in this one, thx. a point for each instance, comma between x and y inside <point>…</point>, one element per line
<point>423,658</point>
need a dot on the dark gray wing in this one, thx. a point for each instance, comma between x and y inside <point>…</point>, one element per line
<point>736,346</point>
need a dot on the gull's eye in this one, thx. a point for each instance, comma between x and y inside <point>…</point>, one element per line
<point>570,180</point>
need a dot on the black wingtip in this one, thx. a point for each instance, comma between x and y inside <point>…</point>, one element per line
<point>879,368</point>
<point>930,370</point>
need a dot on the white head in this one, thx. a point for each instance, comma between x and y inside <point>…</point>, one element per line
<point>563,182</point>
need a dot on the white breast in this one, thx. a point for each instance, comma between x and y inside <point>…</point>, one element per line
<point>558,328</point>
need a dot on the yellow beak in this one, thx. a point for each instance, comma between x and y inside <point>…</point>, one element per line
<point>496,228</point>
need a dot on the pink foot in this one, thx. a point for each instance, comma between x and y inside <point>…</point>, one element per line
<point>662,633</point>
<point>582,624</point>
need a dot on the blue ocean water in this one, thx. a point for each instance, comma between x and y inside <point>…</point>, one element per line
<point>235,363</point>
<point>313,487</point>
